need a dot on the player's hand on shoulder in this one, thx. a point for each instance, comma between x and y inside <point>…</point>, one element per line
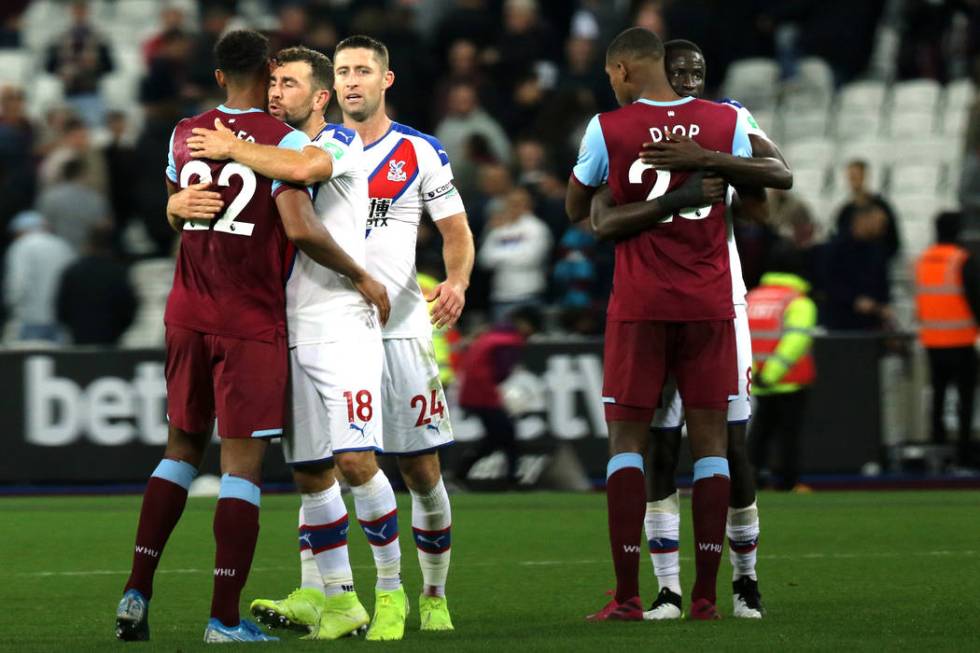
<point>676,152</point>
<point>376,294</point>
<point>714,189</point>
<point>450,297</point>
<point>195,202</point>
<point>215,144</point>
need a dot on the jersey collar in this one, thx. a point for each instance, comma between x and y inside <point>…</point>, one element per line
<point>672,103</point>
<point>391,128</point>
<point>222,108</point>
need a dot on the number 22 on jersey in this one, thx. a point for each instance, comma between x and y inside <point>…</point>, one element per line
<point>660,188</point>
<point>226,222</point>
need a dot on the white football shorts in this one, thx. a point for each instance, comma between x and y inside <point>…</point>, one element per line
<point>739,406</point>
<point>416,417</point>
<point>334,399</point>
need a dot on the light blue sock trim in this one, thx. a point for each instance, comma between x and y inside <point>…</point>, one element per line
<point>177,472</point>
<point>623,460</point>
<point>235,487</point>
<point>710,466</point>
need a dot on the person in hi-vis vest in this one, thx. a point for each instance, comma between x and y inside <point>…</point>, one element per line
<point>781,319</point>
<point>947,298</point>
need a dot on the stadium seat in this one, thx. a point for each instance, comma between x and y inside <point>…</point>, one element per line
<point>916,94</point>
<point>937,149</point>
<point>862,97</point>
<point>916,207</point>
<point>801,125</point>
<point>915,178</point>
<point>810,152</point>
<point>960,94</point>
<point>44,92</point>
<point>119,89</point>
<point>955,121</point>
<point>912,122</point>
<point>753,82</point>
<point>812,88</point>
<point>860,124</point>
<point>15,66</point>
<point>138,14</point>
<point>152,280</point>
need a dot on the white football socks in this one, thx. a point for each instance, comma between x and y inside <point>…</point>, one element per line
<point>662,525</point>
<point>374,503</point>
<point>743,540</point>
<point>324,528</point>
<point>431,529</point>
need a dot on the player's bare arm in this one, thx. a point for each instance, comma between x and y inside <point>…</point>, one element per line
<point>578,200</point>
<point>611,222</point>
<point>766,168</point>
<point>195,202</point>
<point>458,253</point>
<point>308,166</point>
<point>307,232</point>
<point>751,204</point>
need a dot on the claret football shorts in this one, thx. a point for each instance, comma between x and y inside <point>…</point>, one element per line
<point>670,415</point>
<point>242,382</point>
<point>640,355</point>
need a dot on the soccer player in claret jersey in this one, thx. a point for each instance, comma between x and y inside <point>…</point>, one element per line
<point>408,172</point>
<point>225,340</point>
<point>686,72</point>
<point>670,312</point>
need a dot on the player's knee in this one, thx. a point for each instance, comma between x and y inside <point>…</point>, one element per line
<point>358,467</point>
<point>421,473</point>
<point>311,479</point>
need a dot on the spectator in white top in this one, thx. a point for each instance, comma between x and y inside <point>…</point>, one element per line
<point>516,247</point>
<point>34,263</point>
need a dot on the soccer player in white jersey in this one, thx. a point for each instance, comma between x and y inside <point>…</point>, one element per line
<point>336,360</point>
<point>408,173</point>
<point>686,72</point>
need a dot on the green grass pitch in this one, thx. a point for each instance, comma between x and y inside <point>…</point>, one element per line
<point>838,572</point>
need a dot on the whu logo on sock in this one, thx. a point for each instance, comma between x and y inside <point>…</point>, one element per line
<point>709,546</point>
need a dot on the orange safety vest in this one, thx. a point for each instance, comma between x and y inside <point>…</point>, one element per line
<point>767,304</point>
<point>945,319</point>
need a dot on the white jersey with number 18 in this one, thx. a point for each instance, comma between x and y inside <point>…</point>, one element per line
<point>408,172</point>
<point>322,305</point>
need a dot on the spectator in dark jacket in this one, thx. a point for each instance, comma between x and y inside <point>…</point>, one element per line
<point>96,302</point>
<point>856,271</point>
<point>80,57</point>
<point>861,196</point>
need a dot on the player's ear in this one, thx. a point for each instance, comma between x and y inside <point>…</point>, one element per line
<point>321,100</point>
<point>219,76</point>
<point>389,79</point>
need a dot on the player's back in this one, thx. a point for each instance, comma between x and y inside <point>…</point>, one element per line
<point>231,271</point>
<point>678,271</point>
<point>323,305</point>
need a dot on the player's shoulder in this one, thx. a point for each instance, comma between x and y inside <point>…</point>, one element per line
<point>424,143</point>
<point>341,134</point>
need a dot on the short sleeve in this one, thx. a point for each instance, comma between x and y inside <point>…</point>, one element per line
<point>741,146</point>
<point>439,194</point>
<point>171,164</point>
<point>294,140</point>
<point>753,127</point>
<point>592,167</point>
<point>338,143</point>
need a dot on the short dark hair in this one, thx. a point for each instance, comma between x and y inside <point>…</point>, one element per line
<point>786,257</point>
<point>636,42</point>
<point>948,225</point>
<point>242,54</point>
<point>858,163</point>
<point>367,43</point>
<point>681,45</point>
<point>320,64</point>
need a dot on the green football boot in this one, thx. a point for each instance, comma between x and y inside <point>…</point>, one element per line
<point>342,615</point>
<point>390,611</point>
<point>300,611</point>
<point>434,612</point>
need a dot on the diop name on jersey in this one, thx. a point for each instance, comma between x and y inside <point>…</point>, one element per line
<point>657,133</point>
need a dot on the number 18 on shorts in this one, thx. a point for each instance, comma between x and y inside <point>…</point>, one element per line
<point>334,400</point>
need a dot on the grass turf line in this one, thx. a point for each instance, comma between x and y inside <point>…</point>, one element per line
<point>846,571</point>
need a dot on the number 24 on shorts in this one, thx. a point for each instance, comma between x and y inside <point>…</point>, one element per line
<point>434,405</point>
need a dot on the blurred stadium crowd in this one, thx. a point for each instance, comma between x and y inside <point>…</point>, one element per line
<point>872,102</point>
